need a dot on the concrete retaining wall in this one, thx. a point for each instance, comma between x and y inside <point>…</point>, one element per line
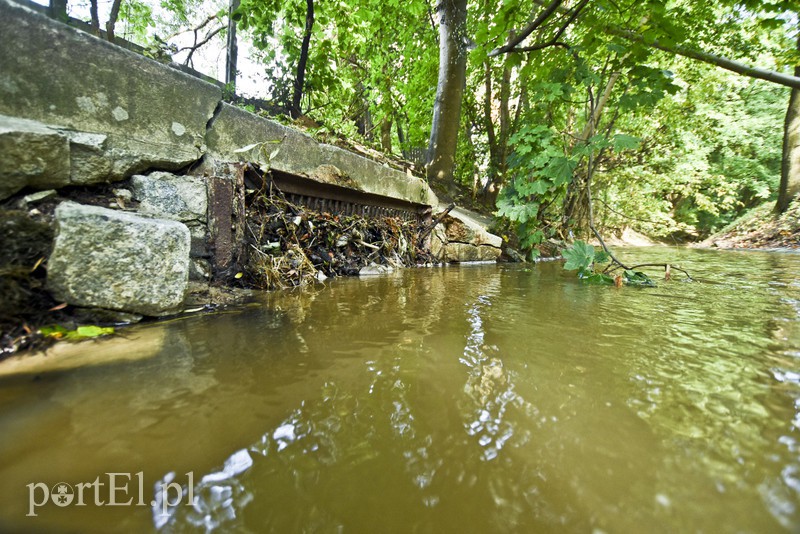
<point>77,110</point>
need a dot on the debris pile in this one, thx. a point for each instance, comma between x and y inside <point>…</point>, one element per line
<point>289,245</point>
<point>25,243</point>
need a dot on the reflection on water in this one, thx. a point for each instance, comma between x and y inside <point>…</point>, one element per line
<point>492,398</point>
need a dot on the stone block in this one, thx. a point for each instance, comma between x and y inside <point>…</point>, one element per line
<point>463,252</point>
<point>167,196</point>
<point>463,229</point>
<point>31,154</point>
<point>119,261</point>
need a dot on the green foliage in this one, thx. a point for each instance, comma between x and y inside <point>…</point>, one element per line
<point>580,257</point>
<point>679,150</point>
<point>583,257</point>
<point>637,278</point>
<point>79,334</point>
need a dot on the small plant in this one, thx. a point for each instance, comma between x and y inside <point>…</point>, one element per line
<point>583,257</point>
<point>259,153</point>
<point>79,334</point>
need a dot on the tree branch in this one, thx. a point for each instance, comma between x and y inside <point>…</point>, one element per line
<point>555,40</point>
<point>192,49</point>
<point>712,59</point>
<point>112,19</point>
<point>541,19</point>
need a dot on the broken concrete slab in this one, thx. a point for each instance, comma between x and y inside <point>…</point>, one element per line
<point>153,116</point>
<point>463,228</point>
<point>31,155</point>
<point>119,261</point>
<point>288,150</point>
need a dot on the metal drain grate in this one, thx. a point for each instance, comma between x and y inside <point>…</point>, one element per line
<point>336,199</point>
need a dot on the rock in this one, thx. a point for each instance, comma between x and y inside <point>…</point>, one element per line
<point>513,256</point>
<point>39,196</point>
<point>105,316</point>
<point>167,196</point>
<point>31,154</point>
<point>110,259</point>
<point>374,269</point>
<point>463,229</point>
<point>463,252</point>
<point>438,241</point>
<point>199,269</point>
<point>89,162</point>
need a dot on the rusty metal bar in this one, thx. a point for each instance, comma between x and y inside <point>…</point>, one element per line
<point>343,200</point>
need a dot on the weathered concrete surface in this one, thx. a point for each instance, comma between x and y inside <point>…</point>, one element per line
<point>297,153</point>
<point>151,115</point>
<point>110,259</point>
<point>31,154</point>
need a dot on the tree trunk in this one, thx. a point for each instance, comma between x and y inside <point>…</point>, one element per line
<point>790,166</point>
<point>449,89</point>
<point>488,120</point>
<point>112,20</point>
<point>231,50</point>
<point>574,203</point>
<point>386,135</point>
<point>299,81</point>
<point>505,121</point>
<point>58,10</point>
<point>95,18</point>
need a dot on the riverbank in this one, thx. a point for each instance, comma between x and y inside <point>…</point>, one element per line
<point>760,228</point>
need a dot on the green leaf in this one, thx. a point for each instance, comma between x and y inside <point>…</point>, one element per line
<point>637,278</point>
<point>560,170</point>
<point>93,331</point>
<point>601,256</point>
<point>579,256</point>
<point>82,332</point>
<point>626,142</point>
<point>598,279</point>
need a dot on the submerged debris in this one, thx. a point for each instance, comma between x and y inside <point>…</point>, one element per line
<point>291,245</point>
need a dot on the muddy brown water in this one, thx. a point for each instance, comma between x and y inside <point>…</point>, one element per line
<point>461,399</point>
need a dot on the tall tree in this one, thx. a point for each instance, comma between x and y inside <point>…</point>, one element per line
<point>300,77</point>
<point>446,122</point>
<point>790,166</point>
<point>231,47</point>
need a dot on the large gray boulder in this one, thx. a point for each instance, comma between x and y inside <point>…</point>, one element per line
<point>110,259</point>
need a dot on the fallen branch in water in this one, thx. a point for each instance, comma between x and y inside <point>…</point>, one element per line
<point>667,268</point>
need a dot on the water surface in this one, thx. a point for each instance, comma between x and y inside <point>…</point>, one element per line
<point>471,399</point>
